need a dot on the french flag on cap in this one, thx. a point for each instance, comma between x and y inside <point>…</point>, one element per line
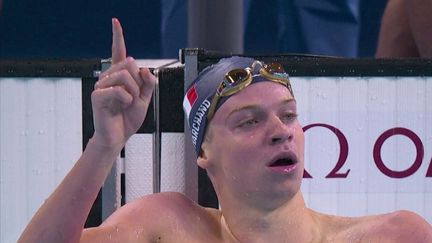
<point>189,100</point>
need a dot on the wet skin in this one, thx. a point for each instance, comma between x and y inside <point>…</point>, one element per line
<point>250,131</point>
<point>253,153</point>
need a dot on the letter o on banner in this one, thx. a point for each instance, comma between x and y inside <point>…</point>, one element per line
<point>377,152</point>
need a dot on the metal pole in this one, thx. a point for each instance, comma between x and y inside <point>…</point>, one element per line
<point>216,25</point>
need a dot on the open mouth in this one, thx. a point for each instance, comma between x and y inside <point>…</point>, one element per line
<point>283,162</point>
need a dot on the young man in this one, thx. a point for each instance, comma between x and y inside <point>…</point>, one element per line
<point>246,133</point>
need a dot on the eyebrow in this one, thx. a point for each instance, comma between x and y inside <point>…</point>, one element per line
<point>254,107</point>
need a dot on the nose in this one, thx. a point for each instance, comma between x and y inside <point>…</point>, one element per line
<point>280,132</point>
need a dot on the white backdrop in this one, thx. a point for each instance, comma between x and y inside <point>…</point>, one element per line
<point>41,137</point>
<point>392,115</point>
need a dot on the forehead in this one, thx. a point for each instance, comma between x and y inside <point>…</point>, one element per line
<point>263,94</point>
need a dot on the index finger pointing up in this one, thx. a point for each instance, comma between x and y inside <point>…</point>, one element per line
<point>118,45</point>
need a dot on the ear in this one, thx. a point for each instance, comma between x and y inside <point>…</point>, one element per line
<point>202,159</point>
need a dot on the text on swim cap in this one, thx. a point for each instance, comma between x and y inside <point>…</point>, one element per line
<point>196,122</point>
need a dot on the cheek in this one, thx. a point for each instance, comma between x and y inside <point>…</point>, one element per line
<point>233,150</point>
<point>235,143</point>
<point>238,157</point>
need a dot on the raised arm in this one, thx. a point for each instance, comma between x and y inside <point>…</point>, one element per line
<point>120,101</point>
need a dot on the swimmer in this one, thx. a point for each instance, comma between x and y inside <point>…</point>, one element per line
<point>248,139</point>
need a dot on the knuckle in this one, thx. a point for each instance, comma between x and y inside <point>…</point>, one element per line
<point>123,77</point>
<point>116,89</point>
<point>104,75</point>
<point>123,73</point>
<point>95,94</point>
<point>129,60</point>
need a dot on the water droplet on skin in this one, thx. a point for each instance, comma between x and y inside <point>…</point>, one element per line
<point>138,232</point>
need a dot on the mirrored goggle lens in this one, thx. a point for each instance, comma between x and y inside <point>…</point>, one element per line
<point>276,69</point>
<point>236,76</point>
<point>232,79</point>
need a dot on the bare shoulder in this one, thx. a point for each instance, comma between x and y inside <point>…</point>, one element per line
<point>402,226</point>
<point>155,216</point>
<point>159,208</point>
<point>398,226</point>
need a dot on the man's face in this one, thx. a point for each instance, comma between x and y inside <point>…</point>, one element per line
<point>255,145</point>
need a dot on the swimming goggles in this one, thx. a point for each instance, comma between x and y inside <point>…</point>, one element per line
<point>238,79</point>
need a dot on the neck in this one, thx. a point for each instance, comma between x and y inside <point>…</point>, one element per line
<point>291,222</point>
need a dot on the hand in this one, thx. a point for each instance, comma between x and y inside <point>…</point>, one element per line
<point>121,96</point>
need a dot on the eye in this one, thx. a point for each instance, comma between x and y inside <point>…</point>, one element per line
<point>289,116</point>
<point>248,123</point>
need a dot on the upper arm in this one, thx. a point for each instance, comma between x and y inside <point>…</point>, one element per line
<point>128,224</point>
<point>111,233</point>
<point>422,230</point>
<point>406,226</point>
<point>395,38</point>
<point>143,220</point>
<point>420,22</point>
